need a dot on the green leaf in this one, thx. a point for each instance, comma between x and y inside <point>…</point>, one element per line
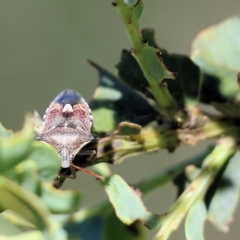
<point>4,133</point>
<point>28,230</point>
<point>184,88</point>
<point>216,50</point>
<point>113,103</point>
<point>127,203</point>
<point>17,220</point>
<point>102,169</point>
<point>25,174</point>
<point>36,235</point>
<point>128,129</point>
<point>24,203</point>
<point>60,201</point>
<point>42,163</point>
<point>226,195</point>
<point>14,149</point>
<point>154,65</point>
<point>194,224</point>
<point>7,227</point>
<point>47,159</point>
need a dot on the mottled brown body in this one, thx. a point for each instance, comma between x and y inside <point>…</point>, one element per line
<point>67,126</point>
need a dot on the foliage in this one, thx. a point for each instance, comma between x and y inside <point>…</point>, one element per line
<point>153,103</point>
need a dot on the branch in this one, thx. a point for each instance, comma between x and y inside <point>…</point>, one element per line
<point>150,62</point>
<point>197,189</point>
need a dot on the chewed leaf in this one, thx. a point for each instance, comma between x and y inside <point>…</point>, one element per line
<point>114,102</point>
<point>187,83</point>
<point>216,51</point>
<point>226,195</point>
<point>26,204</point>
<point>14,149</point>
<point>155,66</point>
<point>194,224</point>
<point>128,204</point>
<point>184,88</point>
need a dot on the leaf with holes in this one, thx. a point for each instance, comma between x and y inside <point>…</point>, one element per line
<point>185,88</point>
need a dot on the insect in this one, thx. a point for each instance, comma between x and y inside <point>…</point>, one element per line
<point>67,127</point>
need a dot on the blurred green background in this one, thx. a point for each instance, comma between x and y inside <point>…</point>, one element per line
<point>43,50</point>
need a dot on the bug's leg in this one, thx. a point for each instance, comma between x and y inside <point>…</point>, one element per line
<point>58,181</point>
<point>97,176</point>
<point>90,153</point>
<point>73,173</point>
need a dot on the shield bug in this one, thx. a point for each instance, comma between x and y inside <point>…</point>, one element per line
<point>67,127</point>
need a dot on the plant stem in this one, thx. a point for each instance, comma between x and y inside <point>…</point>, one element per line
<point>197,189</point>
<point>146,57</point>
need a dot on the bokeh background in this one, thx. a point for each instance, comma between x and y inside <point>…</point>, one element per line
<point>44,46</point>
